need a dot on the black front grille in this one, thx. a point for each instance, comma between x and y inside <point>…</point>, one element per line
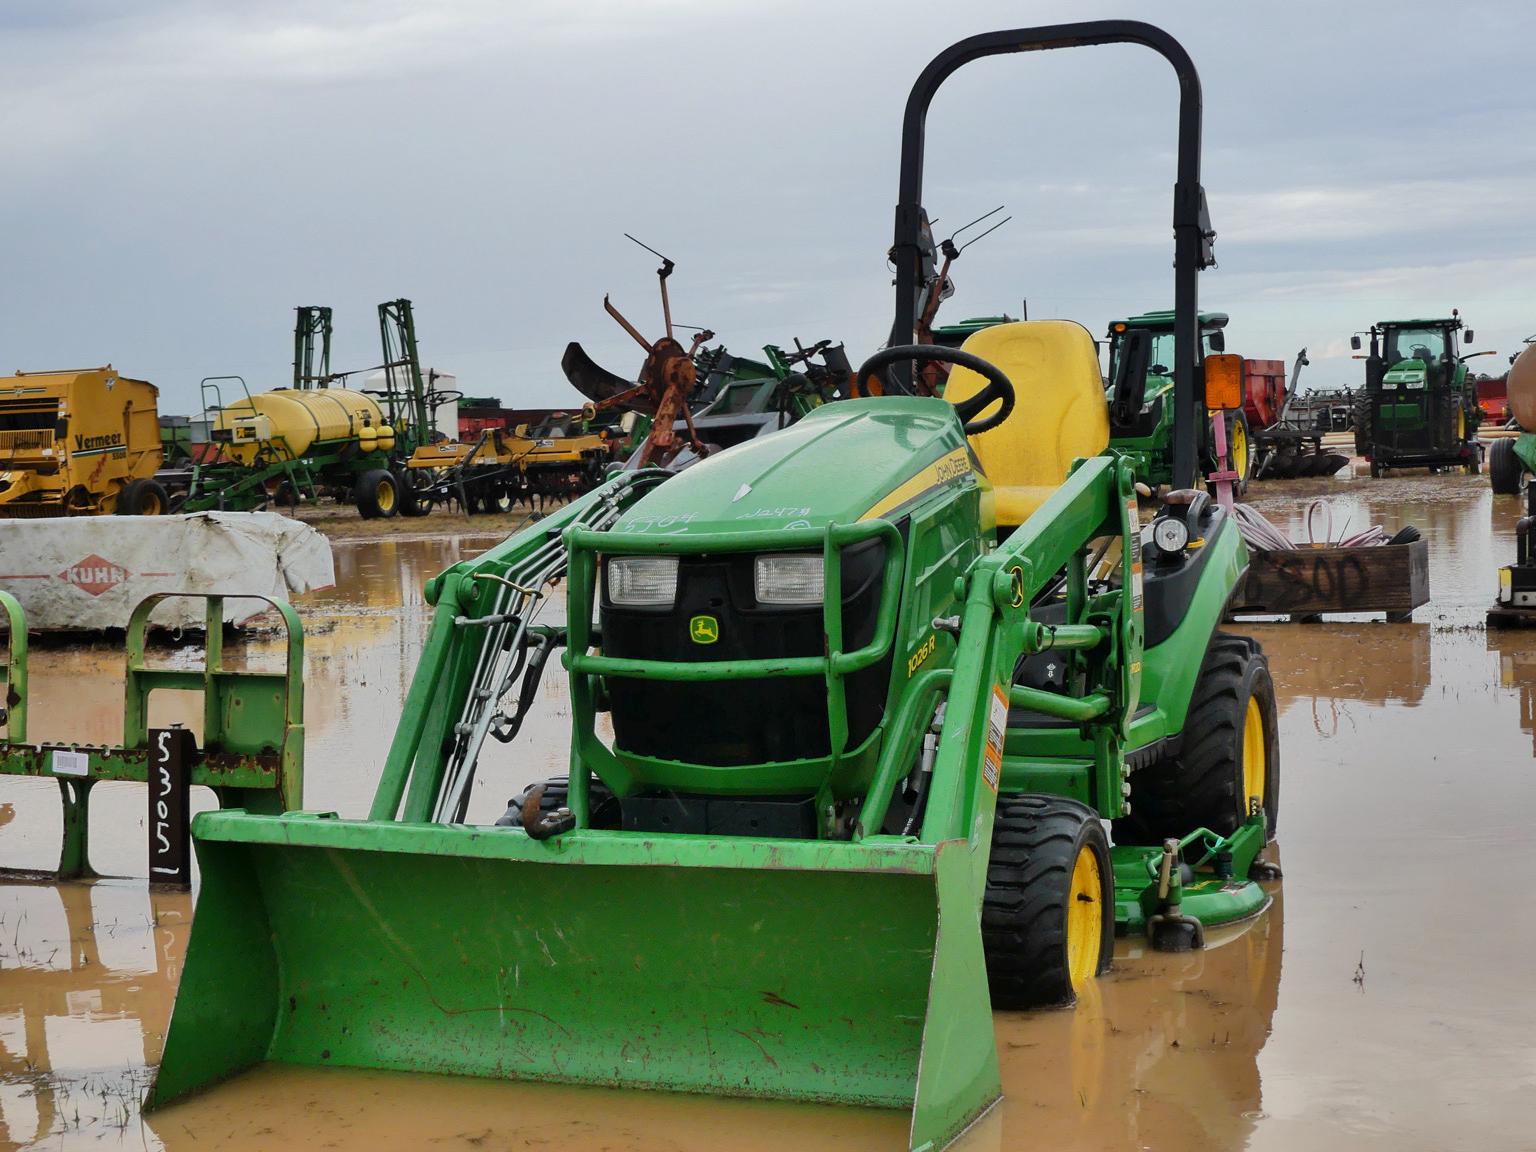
<point>735,722</point>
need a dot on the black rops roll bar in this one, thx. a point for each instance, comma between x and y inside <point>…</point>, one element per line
<point>1192,232</point>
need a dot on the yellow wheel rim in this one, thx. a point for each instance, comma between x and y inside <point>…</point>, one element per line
<point>1239,449</point>
<point>1255,762</point>
<point>152,505</point>
<point>386,495</point>
<point>1085,918</point>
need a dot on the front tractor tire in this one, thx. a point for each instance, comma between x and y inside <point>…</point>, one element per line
<point>1048,914</point>
<point>377,494</point>
<point>1506,471</point>
<point>1230,752</point>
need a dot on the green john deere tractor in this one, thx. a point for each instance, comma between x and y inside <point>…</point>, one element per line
<point>1419,408</point>
<point>1140,385</point>
<point>852,706</point>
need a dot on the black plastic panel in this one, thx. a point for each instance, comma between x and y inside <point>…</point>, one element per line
<point>736,722</point>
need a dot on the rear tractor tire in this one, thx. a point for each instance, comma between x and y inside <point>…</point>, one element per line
<point>143,497</point>
<point>1239,452</point>
<point>377,494</point>
<point>1506,471</point>
<point>1048,915</point>
<point>1230,753</point>
<point>1240,449</point>
<point>1362,424</point>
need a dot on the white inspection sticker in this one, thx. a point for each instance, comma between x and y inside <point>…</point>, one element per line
<point>67,763</point>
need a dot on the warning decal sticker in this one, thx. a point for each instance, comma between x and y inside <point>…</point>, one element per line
<point>997,726</point>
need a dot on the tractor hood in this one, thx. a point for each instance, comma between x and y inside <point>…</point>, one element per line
<point>844,462</point>
<point>1405,374</point>
<point>1163,321</point>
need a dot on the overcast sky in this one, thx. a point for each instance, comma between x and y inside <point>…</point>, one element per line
<point>177,176</point>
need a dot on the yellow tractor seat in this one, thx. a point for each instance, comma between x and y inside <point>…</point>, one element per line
<point>1060,413</point>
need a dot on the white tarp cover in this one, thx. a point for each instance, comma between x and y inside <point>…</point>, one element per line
<point>85,573</point>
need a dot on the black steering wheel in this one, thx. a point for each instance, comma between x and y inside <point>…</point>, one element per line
<point>999,389</point>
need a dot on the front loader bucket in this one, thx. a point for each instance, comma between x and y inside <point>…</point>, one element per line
<point>815,971</point>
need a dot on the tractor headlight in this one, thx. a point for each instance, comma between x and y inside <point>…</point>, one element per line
<point>1170,534</point>
<point>642,581</point>
<point>789,579</point>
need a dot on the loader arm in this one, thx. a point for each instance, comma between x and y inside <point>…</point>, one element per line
<point>472,649</point>
<point>996,629</point>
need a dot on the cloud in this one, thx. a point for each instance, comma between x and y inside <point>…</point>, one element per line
<point>1507,278</point>
<point>1362,211</point>
<point>179,174</point>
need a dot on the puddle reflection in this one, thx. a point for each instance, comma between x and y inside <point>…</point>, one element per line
<point>1408,770</point>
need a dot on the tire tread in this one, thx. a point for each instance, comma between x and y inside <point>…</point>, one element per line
<point>1198,787</point>
<point>1035,841</point>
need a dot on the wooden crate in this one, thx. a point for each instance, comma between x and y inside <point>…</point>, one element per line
<point>1312,580</point>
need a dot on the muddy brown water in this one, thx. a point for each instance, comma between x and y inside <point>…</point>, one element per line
<point>1384,1000</point>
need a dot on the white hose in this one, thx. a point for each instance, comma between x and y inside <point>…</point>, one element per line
<point>1260,533</point>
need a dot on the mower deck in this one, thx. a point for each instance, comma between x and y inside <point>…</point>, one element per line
<point>1217,890</point>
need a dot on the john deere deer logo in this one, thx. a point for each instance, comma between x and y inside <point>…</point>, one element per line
<point>704,629</point>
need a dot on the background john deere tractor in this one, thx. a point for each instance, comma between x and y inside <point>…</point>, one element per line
<point>876,727</point>
<point>1419,408</point>
<point>1140,383</point>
